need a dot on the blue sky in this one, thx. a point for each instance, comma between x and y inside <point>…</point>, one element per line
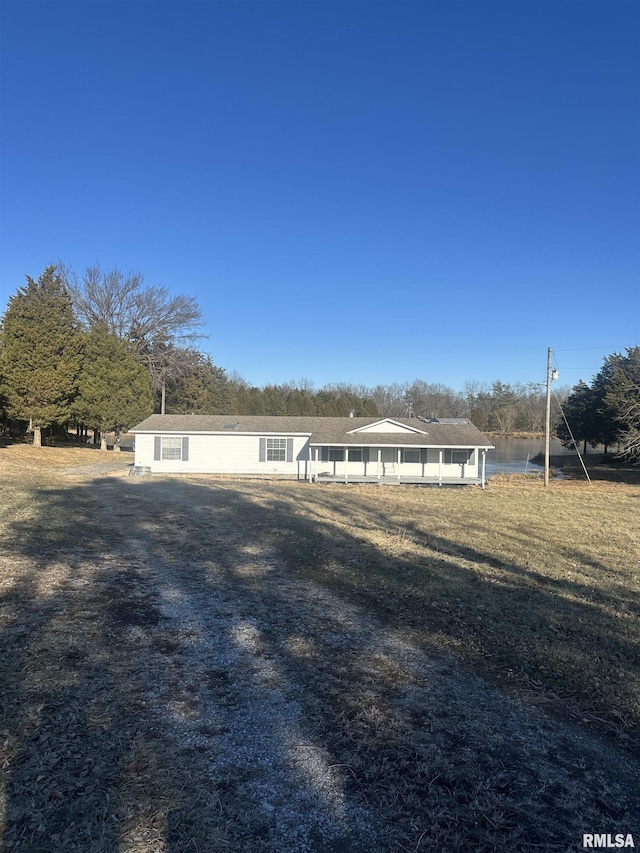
<point>365,192</point>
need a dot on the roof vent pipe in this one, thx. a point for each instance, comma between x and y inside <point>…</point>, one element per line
<point>351,413</point>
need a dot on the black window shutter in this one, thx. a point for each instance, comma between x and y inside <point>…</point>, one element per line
<point>448,455</point>
<point>289,450</point>
<point>157,448</point>
<point>365,454</point>
<point>263,450</point>
<point>185,448</point>
<point>423,455</point>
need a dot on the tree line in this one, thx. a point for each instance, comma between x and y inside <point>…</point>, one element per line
<point>100,352</point>
<point>607,411</point>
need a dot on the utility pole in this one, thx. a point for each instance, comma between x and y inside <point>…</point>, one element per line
<point>547,421</point>
<point>551,375</point>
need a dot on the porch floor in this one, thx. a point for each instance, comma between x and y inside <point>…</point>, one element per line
<point>398,481</point>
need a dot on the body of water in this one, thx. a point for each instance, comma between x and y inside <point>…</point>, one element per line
<point>514,455</point>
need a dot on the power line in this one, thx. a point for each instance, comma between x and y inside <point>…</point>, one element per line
<point>564,417</point>
<point>590,349</point>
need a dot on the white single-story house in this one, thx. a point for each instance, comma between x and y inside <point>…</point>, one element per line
<point>374,449</point>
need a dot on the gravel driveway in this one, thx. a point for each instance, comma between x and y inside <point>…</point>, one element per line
<point>243,708</point>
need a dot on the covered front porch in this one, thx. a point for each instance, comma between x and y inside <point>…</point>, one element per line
<point>400,480</point>
<point>389,465</point>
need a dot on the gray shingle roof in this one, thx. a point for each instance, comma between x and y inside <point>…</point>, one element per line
<point>322,430</point>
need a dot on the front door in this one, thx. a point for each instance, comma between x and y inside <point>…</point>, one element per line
<point>388,458</point>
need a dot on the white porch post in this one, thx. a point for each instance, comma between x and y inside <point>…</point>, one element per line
<point>440,466</point>
<point>399,458</point>
<point>346,464</point>
<point>379,463</point>
<point>484,459</point>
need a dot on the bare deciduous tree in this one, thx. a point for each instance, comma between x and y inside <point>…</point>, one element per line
<point>161,327</point>
<point>132,311</point>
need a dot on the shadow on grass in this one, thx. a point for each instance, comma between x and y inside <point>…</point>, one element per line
<point>563,631</point>
<point>219,667</point>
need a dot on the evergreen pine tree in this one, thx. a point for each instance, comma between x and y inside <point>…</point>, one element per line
<point>607,427</point>
<point>579,410</point>
<point>115,390</point>
<point>201,389</point>
<point>623,397</point>
<point>41,353</point>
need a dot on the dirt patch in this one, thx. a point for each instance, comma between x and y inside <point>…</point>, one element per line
<point>240,667</point>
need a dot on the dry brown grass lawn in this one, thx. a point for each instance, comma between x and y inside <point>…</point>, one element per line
<point>538,588</point>
<point>463,664</point>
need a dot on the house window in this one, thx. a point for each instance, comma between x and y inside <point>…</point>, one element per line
<point>354,454</point>
<point>171,448</point>
<point>276,450</point>
<point>411,456</point>
<point>332,454</point>
<point>456,457</point>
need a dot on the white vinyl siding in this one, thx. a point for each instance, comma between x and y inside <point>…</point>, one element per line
<point>246,454</point>
<point>228,453</point>
<point>389,426</point>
